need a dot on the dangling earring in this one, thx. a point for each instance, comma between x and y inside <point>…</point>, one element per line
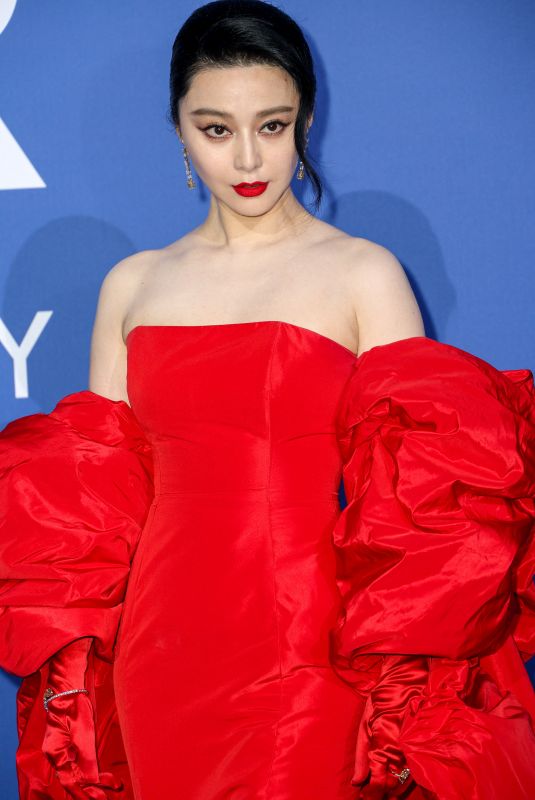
<point>190,181</point>
<point>301,170</point>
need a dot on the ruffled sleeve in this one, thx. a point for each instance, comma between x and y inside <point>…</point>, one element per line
<point>435,559</point>
<point>76,486</point>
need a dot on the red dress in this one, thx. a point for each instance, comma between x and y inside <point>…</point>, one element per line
<point>253,641</point>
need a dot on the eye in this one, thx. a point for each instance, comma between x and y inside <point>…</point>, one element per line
<point>276,122</point>
<point>215,126</point>
<point>219,127</point>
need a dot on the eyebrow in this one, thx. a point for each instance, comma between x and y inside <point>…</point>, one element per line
<point>276,110</point>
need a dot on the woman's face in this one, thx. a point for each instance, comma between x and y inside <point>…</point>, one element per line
<point>231,139</point>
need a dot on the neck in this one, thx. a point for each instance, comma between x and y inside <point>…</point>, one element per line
<point>224,227</point>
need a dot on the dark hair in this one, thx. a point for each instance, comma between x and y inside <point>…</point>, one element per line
<point>228,33</point>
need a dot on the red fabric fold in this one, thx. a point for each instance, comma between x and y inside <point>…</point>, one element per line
<point>435,559</point>
<point>379,752</point>
<point>76,487</point>
<point>70,738</point>
<point>69,665</point>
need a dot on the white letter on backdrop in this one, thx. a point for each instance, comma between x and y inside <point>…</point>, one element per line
<point>20,352</point>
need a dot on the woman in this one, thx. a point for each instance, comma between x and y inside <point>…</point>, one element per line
<point>183,591</point>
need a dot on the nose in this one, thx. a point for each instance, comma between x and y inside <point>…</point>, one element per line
<point>247,155</point>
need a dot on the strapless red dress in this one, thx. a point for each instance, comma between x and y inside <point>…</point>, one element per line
<point>252,639</point>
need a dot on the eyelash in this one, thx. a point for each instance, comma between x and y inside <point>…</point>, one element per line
<point>271,122</point>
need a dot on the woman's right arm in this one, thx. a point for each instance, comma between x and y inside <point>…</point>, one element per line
<point>76,486</point>
<point>119,292</point>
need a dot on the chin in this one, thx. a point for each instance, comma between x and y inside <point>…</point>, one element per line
<point>248,206</point>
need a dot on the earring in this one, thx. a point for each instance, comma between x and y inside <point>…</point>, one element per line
<point>301,170</point>
<point>190,181</point>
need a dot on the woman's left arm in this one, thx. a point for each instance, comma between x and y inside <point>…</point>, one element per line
<point>433,550</point>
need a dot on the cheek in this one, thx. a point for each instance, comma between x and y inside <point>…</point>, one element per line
<point>211,158</point>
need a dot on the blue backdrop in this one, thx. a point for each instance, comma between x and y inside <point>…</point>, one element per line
<point>424,132</point>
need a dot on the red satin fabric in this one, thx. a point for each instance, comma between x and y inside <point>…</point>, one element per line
<point>435,554</point>
<point>69,741</point>
<point>224,646</point>
<point>75,489</point>
<point>271,646</point>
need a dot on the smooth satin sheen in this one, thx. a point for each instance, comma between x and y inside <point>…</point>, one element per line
<point>269,645</point>
<point>238,553</point>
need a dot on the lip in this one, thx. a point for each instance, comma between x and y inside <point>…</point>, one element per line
<point>250,189</point>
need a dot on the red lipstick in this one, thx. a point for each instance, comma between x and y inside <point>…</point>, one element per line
<point>250,189</point>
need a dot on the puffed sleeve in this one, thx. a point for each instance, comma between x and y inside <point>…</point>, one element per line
<point>76,487</point>
<point>435,560</point>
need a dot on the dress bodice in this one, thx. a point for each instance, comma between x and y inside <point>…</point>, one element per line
<point>239,406</point>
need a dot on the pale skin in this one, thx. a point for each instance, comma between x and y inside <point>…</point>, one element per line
<point>259,258</point>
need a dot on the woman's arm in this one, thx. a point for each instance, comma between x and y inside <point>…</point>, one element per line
<point>118,293</point>
<point>384,302</point>
<point>438,449</point>
<point>75,490</point>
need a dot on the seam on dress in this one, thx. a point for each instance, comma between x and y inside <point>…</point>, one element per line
<point>269,516</point>
<point>125,646</point>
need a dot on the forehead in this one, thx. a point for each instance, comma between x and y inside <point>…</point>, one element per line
<point>229,87</point>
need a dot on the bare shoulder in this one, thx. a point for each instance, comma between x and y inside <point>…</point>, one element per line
<point>107,371</point>
<point>128,271</point>
<point>384,301</point>
<point>370,265</point>
<point>120,286</point>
